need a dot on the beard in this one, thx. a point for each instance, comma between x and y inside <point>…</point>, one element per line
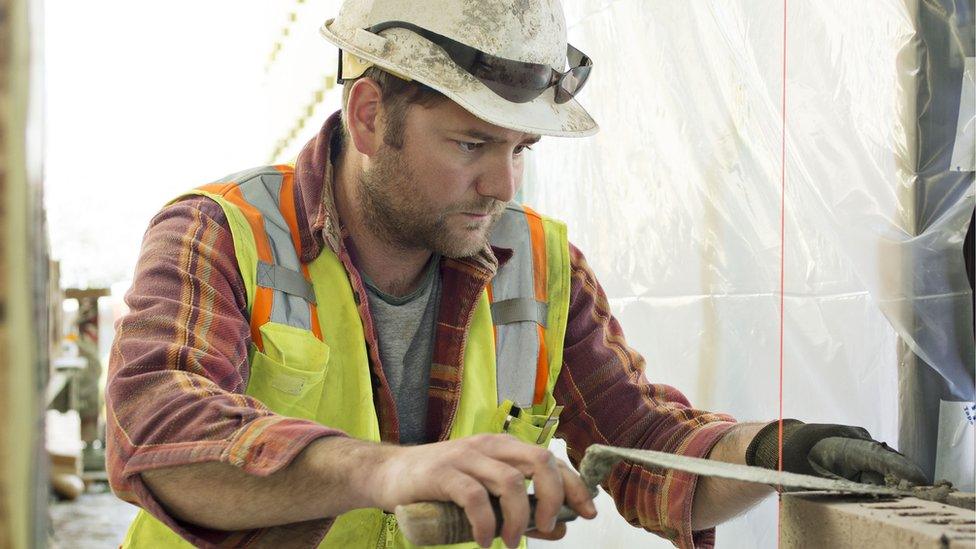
<point>396,209</point>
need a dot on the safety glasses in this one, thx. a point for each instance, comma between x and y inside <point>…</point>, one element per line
<point>515,81</point>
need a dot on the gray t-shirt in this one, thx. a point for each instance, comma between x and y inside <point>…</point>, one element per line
<point>405,328</point>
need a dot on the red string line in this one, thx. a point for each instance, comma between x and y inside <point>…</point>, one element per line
<point>782,264</point>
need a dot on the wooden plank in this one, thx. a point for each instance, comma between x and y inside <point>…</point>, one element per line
<point>5,43</point>
<point>23,340</point>
<point>86,293</point>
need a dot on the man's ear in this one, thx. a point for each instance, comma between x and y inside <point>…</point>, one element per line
<point>363,116</point>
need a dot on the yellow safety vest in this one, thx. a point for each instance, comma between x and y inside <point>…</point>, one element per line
<point>309,357</point>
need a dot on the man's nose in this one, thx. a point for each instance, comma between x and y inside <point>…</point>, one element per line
<point>500,180</point>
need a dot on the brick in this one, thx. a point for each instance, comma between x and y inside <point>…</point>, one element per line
<point>819,519</point>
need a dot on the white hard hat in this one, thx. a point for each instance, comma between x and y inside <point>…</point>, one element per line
<point>505,61</point>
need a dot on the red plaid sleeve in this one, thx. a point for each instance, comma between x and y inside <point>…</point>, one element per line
<point>179,368</point>
<point>608,400</point>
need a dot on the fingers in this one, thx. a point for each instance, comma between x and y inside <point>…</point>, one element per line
<point>870,477</point>
<point>533,462</point>
<point>503,467</point>
<point>469,471</point>
<point>577,494</point>
<point>506,482</point>
<point>514,502</point>
<point>895,464</point>
<point>865,460</point>
<point>555,484</point>
<point>557,533</point>
<point>470,495</point>
<point>547,479</point>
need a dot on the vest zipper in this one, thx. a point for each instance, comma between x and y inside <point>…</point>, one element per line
<point>388,533</point>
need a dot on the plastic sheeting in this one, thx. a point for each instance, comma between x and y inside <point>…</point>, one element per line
<point>676,204</point>
<point>937,303</point>
<point>944,114</point>
<point>956,441</point>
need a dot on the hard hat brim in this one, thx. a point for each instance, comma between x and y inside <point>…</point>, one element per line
<point>403,52</point>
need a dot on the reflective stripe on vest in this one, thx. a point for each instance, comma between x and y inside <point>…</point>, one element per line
<point>295,372</point>
<point>517,292</point>
<point>284,294</point>
<point>519,307</point>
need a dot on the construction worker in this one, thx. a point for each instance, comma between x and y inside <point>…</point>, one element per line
<point>310,345</point>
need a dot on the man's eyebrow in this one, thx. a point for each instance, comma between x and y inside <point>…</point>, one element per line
<point>488,138</point>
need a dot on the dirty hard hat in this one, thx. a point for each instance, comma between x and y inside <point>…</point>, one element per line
<point>505,61</point>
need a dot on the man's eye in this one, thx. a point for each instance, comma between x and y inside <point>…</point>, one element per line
<point>522,148</point>
<point>468,146</point>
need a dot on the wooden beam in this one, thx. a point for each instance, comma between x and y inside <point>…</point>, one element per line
<point>87,293</point>
<point>23,284</point>
<point>5,526</point>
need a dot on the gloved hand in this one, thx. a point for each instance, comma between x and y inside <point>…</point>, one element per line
<point>833,451</point>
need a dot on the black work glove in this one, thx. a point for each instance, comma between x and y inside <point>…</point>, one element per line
<point>833,451</point>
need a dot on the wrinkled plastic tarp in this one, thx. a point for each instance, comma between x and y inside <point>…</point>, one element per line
<point>676,204</point>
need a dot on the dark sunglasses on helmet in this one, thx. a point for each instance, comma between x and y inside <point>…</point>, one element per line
<point>515,81</point>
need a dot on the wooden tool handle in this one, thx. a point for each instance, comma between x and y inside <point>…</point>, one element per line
<point>442,523</point>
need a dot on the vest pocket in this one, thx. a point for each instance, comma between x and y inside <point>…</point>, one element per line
<point>532,428</point>
<point>288,375</point>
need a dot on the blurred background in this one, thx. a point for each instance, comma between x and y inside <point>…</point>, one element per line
<point>690,205</point>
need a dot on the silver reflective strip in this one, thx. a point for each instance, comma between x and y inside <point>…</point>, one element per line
<point>245,175</point>
<point>522,309</point>
<point>261,189</point>
<point>291,282</point>
<point>517,344</point>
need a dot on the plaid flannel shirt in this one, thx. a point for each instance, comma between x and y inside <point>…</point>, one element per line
<point>186,336</point>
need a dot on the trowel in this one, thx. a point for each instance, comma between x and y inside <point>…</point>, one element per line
<point>440,523</point>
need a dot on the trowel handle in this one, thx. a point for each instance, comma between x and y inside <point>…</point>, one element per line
<point>443,523</point>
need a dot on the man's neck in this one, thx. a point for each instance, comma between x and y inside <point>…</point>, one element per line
<point>393,269</point>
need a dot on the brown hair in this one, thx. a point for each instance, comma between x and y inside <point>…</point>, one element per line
<point>398,95</point>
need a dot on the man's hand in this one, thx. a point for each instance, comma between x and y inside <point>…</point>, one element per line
<point>334,475</point>
<point>468,470</point>
<point>837,451</point>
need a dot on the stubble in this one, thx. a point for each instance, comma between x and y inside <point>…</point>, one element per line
<point>397,211</point>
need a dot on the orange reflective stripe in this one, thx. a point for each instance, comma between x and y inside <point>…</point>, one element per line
<point>263,297</point>
<point>540,270</point>
<point>540,267</point>
<point>218,188</point>
<point>286,204</point>
<point>260,313</point>
<point>541,369</point>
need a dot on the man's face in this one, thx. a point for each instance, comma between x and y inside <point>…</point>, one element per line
<point>447,185</point>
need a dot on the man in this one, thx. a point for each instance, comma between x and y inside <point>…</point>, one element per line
<point>310,346</point>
